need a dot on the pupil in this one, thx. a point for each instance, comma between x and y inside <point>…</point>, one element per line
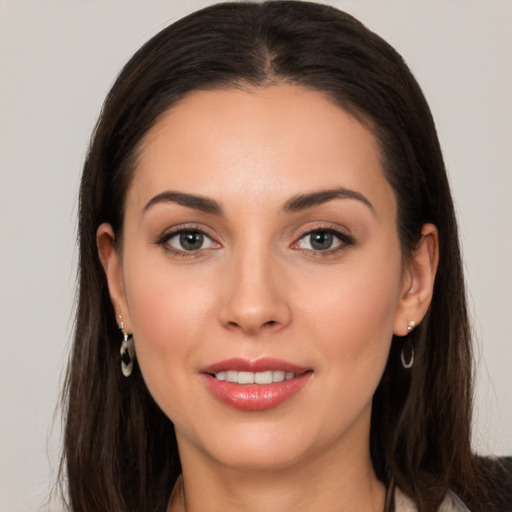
<point>321,240</point>
<point>191,241</point>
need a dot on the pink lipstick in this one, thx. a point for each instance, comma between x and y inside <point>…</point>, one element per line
<point>255,385</point>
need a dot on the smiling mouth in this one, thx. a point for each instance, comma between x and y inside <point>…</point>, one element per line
<point>255,391</point>
<point>266,377</point>
<point>255,384</point>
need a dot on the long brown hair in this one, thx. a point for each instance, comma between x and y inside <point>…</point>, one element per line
<point>120,450</point>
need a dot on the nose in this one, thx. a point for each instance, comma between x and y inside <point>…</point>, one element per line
<point>255,299</point>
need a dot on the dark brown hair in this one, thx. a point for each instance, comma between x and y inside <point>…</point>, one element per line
<point>120,449</point>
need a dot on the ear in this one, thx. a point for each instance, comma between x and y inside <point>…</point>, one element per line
<point>418,281</point>
<point>111,262</point>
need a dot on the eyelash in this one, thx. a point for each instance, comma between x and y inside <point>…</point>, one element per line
<point>343,239</point>
<point>163,241</point>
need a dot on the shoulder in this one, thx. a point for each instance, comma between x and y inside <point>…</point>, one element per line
<point>498,472</point>
<point>497,496</point>
<point>451,503</point>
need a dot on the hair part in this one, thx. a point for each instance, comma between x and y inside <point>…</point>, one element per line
<point>120,449</point>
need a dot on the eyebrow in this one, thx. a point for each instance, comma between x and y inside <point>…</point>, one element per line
<point>201,203</point>
<point>295,204</point>
<point>305,201</point>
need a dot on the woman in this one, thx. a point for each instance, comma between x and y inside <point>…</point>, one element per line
<point>265,216</point>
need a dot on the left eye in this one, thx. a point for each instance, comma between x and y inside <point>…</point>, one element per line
<point>190,241</point>
<point>321,240</point>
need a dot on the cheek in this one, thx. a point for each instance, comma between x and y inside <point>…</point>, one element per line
<point>353,326</point>
<point>169,311</point>
<point>361,296</point>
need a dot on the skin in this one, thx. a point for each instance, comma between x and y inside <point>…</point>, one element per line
<point>257,287</point>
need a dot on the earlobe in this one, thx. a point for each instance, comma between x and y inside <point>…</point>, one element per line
<point>110,261</point>
<point>418,283</point>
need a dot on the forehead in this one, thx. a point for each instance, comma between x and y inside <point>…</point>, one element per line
<point>274,142</point>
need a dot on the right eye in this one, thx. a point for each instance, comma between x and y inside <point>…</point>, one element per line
<point>187,241</point>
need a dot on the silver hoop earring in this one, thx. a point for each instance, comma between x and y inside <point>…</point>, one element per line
<point>127,350</point>
<point>407,352</point>
<point>407,359</point>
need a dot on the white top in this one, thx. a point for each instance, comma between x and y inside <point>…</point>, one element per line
<point>451,503</point>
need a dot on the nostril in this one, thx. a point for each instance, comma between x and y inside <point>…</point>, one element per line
<point>269,324</point>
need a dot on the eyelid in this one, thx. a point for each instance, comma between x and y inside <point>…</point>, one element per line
<point>163,240</point>
<point>344,240</point>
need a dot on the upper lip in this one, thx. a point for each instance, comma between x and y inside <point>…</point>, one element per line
<point>254,365</point>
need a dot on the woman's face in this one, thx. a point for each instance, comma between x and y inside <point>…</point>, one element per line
<point>260,242</point>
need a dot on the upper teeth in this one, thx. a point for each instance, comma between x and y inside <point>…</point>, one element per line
<point>254,377</point>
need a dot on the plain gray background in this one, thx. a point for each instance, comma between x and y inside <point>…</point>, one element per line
<point>57,61</point>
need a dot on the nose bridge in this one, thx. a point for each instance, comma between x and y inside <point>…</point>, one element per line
<point>255,299</point>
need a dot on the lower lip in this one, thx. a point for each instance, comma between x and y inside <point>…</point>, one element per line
<point>255,397</point>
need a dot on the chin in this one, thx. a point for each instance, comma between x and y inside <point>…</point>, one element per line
<point>255,456</point>
<point>264,445</point>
